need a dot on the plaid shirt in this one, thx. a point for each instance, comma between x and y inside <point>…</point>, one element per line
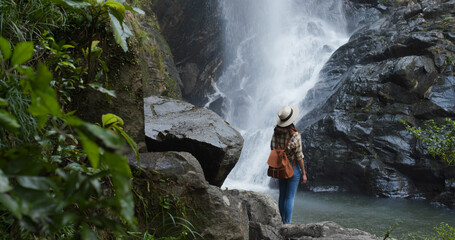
<point>294,149</point>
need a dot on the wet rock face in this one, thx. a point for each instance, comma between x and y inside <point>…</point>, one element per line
<point>160,76</point>
<point>193,30</point>
<point>398,67</point>
<point>172,125</point>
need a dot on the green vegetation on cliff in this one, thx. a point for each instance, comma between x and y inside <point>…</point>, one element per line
<point>439,139</point>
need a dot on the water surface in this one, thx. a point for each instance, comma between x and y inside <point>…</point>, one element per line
<point>374,215</point>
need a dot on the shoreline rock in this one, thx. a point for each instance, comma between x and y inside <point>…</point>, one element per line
<point>324,231</point>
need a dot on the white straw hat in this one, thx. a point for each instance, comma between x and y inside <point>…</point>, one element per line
<point>287,115</point>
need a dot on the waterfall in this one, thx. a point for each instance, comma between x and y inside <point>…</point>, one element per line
<point>275,50</point>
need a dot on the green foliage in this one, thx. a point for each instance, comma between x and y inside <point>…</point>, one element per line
<point>442,232</point>
<point>63,65</point>
<point>7,120</point>
<point>104,10</point>
<point>47,187</point>
<point>27,20</point>
<point>170,222</point>
<point>69,71</point>
<point>93,16</point>
<point>439,139</point>
<point>115,124</point>
<point>390,229</point>
<point>449,61</point>
<point>16,105</point>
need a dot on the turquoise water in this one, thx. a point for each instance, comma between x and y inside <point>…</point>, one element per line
<point>374,215</point>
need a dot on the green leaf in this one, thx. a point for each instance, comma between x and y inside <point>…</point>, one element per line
<point>3,102</point>
<point>73,121</point>
<point>103,137</point>
<point>127,208</point>
<point>65,218</point>
<point>22,160</point>
<point>66,46</point>
<point>120,33</point>
<point>37,204</point>
<point>121,174</point>
<point>118,165</point>
<point>117,9</point>
<point>22,53</point>
<point>9,203</point>
<point>111,119</point>
<point>88,234</point>
<point>100,88</point>
<point>67,64</point>
<point>4,183</point>
<point>130,142</point>
<point>91,149</point>
<point>5,48</point>
<point>134,9</point>
<point>27,71</point>
<point>35,183</point>
<point>73,4</point>
<point>120,1</point>
<point>94,44</point>
<point>44,98</point>
<point>105,68</point>
<point>9,122</point>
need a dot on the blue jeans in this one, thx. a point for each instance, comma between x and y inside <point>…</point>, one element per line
<point>288,189</point>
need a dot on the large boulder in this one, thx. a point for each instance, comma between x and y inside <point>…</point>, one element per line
<point>398,68</point>
<point>263,215</point>
<point>173,125</point>
<point>177,177</point>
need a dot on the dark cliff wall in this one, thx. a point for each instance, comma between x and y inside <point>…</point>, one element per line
<point>192,30</point>
<point>398,67</point>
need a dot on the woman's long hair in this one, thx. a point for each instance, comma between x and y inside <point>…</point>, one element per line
<point>285,130</point>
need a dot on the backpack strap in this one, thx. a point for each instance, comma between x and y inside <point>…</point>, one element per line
<point>289,140</point>
<point>287,143</point>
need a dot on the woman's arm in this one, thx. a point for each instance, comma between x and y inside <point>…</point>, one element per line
<point>302,166</point>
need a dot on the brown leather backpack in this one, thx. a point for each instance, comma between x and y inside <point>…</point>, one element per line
<point>279,164</point>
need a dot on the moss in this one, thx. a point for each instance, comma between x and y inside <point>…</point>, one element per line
<point>153,49</point>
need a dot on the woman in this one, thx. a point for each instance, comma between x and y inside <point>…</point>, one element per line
<point>285,131</point>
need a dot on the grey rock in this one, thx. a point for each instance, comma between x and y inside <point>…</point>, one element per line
<point>161,76</point>
<point>173,125</point>
<point>262,207</point>
<point>264,217</point>
<point>214,213</point>
<point>181,166</point>
<point>324,231</point>
<point>225,217</point>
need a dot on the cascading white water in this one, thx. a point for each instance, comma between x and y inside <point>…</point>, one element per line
<point>276,49</point>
